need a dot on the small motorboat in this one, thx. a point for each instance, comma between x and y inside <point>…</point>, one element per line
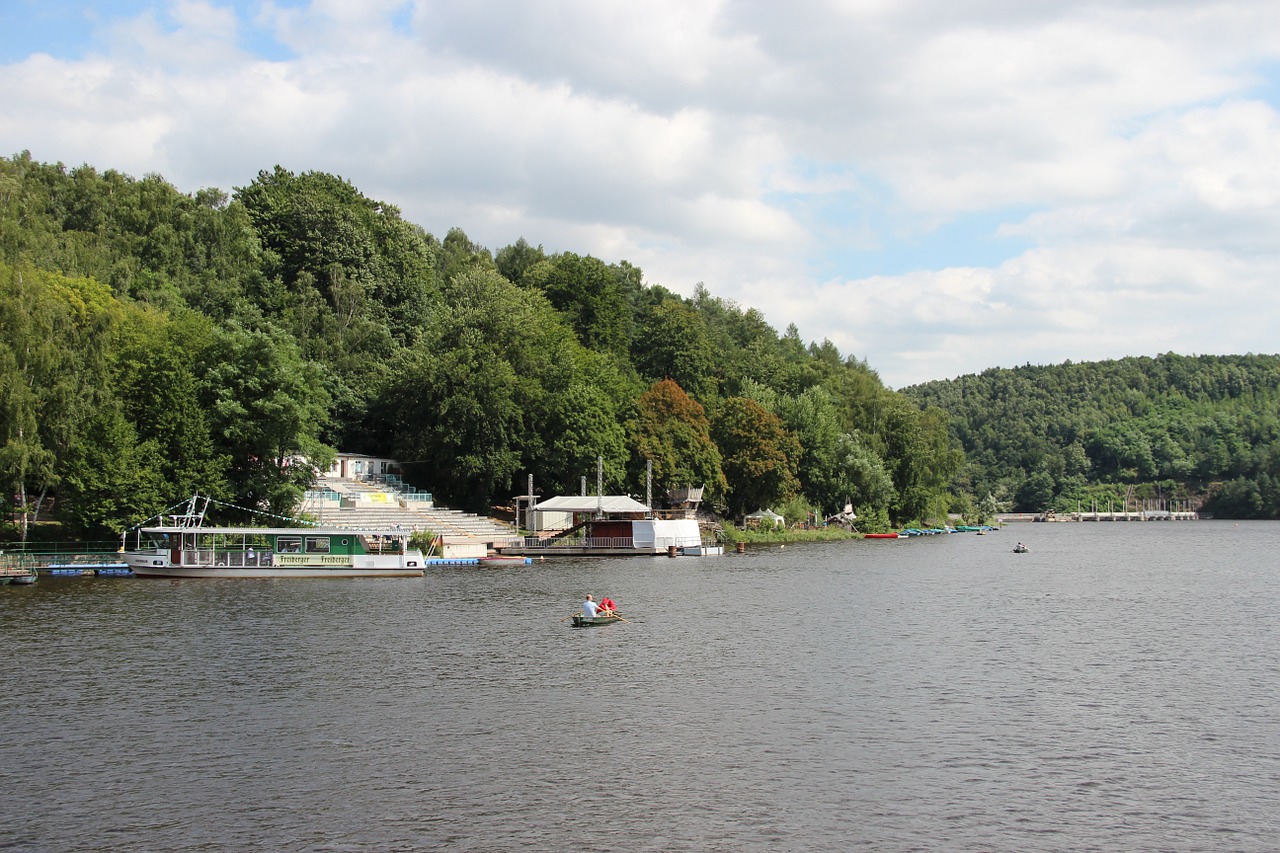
<point>1020,548</point>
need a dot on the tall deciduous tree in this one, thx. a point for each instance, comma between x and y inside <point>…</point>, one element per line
<point>811,416</point>
<point>587,292</point>
<point>673,343</point>
<point>582,422</point>
<point>267,409</point>
<point>759,455</point>
<point>157,383</point>
<point>110,478</point>
<point>55,335</point>
<point>671,430</point>
<point>864,479</point>
<point>514,260</point>
<point>365,260</point>
<point>463,405</point>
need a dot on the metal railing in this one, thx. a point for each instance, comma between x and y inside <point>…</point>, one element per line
<point>601,542</point>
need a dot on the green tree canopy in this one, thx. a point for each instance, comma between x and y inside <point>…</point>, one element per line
<point>760,456</point>
<point>587,292</point>
<point>670,430</point>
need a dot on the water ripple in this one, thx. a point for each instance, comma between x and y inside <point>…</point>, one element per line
<point>1116,691</point>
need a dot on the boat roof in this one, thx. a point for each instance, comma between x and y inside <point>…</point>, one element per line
<point>283,531</point>
<point>592,503</point>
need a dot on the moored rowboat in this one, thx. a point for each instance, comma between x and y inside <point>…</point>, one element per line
<point>504,560</point>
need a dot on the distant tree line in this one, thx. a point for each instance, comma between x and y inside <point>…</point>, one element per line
<point>1204,430</point>
<point>156,344</point>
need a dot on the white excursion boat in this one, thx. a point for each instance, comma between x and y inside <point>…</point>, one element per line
<point>182,546</point>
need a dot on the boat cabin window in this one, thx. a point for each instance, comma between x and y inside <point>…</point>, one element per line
<point>317,544</point>
<point>289,544</point>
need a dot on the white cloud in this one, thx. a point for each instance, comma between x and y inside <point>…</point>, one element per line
<point>1124,150</point>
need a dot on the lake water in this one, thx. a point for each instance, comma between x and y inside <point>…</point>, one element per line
<point>1116,689</point>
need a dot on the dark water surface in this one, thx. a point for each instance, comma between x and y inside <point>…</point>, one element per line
<point>1115,690</point>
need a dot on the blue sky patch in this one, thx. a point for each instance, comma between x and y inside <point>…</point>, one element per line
<point>71,30</point>
<point>969,240</point>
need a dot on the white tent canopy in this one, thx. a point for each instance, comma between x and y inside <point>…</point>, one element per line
<point>766,516</point>
<point>610,504</point>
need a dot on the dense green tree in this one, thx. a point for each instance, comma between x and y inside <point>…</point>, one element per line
<point>110,478</point>
<point>267,408</point>
<point>1190,420</point>
<point>514,260</point>
<point>467,405</point>
<point>584,422</point>
<point>811,416</point>
<point>367,263</point>
<point>1037,491</point>
<point>673,343</point>
<point>760,456</point>
<point>161,397</point>
<point>55,342</point>
<point>923,463</point>
<point>864,480</point>
<point>670,430</point>
<point>587,292</point>
<point>458,254</point>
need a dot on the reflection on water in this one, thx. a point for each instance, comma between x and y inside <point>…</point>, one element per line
<point>1115,689</point>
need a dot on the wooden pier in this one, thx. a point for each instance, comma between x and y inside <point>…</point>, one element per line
<point>1146,509</point>
<point>97,564</point>
<point>1142,515</point>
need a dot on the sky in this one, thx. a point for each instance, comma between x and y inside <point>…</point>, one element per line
<point>936,188</point>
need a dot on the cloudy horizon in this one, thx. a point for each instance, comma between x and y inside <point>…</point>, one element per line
<point>936,189</point>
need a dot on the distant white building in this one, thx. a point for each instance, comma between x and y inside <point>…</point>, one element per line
<point>359,466</point>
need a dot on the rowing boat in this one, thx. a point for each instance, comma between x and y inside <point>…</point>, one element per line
<point>504,560</point>
<point>592,621</point>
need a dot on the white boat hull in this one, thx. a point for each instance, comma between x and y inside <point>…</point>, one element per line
<point>187,548</point>
<point>277,572</point>
<point>158,565</point>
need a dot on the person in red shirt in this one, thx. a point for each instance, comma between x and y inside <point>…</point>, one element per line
<point>607,606</point>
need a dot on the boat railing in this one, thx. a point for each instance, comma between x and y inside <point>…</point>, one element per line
<point>601,542</point>
<point>37,560</point>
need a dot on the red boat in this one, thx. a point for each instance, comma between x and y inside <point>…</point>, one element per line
<point>879,536</point>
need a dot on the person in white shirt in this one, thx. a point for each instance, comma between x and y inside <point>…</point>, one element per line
<point>589,607</point>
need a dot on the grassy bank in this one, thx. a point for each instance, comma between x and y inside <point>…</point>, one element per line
<point>734,535</point>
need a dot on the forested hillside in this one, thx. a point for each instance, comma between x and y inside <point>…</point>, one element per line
<point>1203,428</point>
<point>156,343</point>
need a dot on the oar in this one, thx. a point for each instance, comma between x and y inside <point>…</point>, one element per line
<point>628,621</point>
<point>570,616</point>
